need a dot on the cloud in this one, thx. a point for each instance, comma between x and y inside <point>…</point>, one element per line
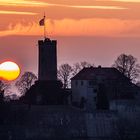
<point>83,27</point>
<point>17,13</point>
<point>20,29</point>
<point>22,3</point>
<point>44,4</point>
<point>97,7</point>
<point>126,0</point>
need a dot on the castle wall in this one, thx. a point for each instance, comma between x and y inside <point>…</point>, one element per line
<point>56,122</point>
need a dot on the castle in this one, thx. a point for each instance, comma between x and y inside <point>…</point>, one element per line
<point>98,103</point>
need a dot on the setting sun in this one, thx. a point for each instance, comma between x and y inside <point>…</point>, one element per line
<point>9,71</point>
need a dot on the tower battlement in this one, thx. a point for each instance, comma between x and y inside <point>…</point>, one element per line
<point>48,42</point>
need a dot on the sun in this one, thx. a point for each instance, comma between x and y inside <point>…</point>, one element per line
<point>9,71</point>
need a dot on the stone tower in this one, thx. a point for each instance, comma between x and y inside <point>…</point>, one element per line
<point>47,70</point>
<point>47,90</point>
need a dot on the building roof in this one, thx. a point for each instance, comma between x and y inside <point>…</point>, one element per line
<point>114,81</point>
<point>92,72</point>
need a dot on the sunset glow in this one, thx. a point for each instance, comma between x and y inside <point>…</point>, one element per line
<point>22,3</point>
<point>9,71</point>
<point>101,18</point>
<point>97,7</point>
<point>17,13</point>
<point>127,0</point>
<point>92,25</point>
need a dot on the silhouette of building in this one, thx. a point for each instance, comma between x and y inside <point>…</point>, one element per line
<point>47,90</point>
<point>47,60</point>
<point>98,86</point>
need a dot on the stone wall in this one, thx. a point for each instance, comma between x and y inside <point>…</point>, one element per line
<point>55,122</point>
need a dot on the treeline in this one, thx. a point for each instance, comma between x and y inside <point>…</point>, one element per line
<point>126,64</point>
<point>22,85</point>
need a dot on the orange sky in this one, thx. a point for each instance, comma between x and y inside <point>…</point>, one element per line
<point>92,30</point>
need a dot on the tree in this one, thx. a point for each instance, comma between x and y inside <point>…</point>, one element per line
<point>64,74</point>
<point>127,65</point>
<point>4,87</point>
<point>79,66</point>
<point>25,82</point>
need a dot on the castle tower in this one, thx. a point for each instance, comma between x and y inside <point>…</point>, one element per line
<point>47,70</point>
<point>47,90</point>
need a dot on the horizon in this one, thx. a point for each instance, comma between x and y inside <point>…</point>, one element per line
<point>96,31</point>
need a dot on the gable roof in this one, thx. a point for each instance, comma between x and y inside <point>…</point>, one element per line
<point>92,72</point>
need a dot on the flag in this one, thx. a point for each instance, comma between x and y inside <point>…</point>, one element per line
<point>42,22</point>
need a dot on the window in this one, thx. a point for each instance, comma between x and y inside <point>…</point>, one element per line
<point>95,90</point>
<point>76,83</point>
<point>82,83</point>
<point>92,82</point>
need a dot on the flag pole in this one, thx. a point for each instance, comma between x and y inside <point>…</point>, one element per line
<point>44,26</point>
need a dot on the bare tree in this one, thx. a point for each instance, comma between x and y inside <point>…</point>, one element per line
<point>64,74</point>
<point>4,88</point>
<point>127,65</point>
<point>79,66</point>
<point>25,82</point>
